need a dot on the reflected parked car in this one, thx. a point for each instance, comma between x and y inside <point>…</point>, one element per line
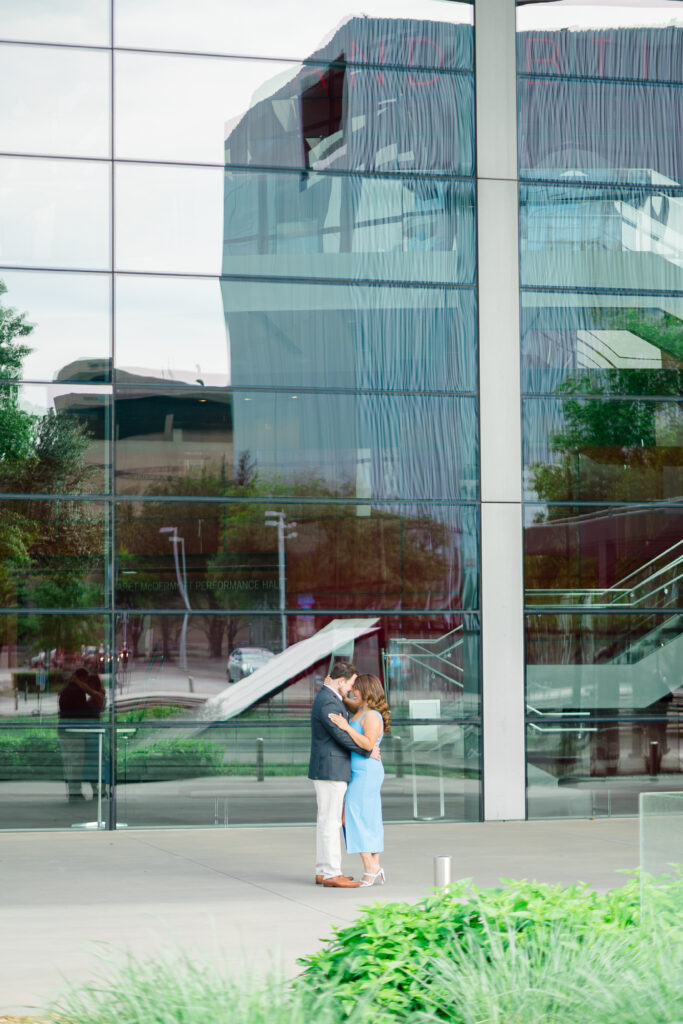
<point>245,660</point>
<point>55,659</point>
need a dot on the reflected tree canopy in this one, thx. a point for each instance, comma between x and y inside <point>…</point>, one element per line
<point>51,551</point>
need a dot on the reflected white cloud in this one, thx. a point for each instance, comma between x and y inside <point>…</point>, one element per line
<point>293,29</point>
<point>585,14</point>
<point>71,318</point>
<point>69,21</point>
<point>169,219</point>
<point>60,100</point>
<point>171,329</point>
<point>55,213</point>
<point>182,108</point>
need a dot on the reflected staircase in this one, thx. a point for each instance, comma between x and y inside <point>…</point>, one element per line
<point>649,663</point>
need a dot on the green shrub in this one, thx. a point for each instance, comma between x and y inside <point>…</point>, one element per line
<point>25,681</point>
<point>555,976</point>
<point>170,758</point>
<point>154,712</point>
<point>522,954</point>
<point>179,990</point>
<point>394,952</point>
<point>32,753</point>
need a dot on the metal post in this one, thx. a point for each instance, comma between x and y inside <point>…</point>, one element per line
<point>100,823</point>
<point>282,577</point>
<point>442,871</point>
<point>259,760</point>
<point>278,519</point>
<point>182,586</point>
<point>398,756</point>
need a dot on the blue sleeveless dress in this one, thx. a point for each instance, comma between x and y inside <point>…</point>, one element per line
<point>363,806</point>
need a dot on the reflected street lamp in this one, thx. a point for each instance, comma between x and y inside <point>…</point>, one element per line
<point>284,532</point>
<point>182,586</point>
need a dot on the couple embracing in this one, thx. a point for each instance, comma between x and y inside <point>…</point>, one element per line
<point>347,772</point>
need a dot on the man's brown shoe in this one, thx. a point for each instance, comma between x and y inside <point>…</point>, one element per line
<point>319,879</point>
<point>340,882</point>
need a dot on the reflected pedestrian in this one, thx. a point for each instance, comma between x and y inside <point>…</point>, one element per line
<point>94,772</point>
<point>73,709</point>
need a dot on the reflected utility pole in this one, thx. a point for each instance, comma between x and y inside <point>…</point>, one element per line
<point>284,532</point>
<point>182,587</point>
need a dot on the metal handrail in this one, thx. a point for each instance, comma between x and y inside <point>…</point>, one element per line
<point>678,544</point>
<point>421,653</point>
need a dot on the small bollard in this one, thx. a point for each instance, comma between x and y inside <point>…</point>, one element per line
<point>442,871</point>
<point>259,760</point>
<point>398,756</point>
<point>190,683</point>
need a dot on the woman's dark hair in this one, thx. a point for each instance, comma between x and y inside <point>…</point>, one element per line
<point>95,681</point>
<point>372,693</point>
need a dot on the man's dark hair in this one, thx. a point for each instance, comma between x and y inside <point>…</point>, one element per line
<point>82,674</point>
<point>343,670</point>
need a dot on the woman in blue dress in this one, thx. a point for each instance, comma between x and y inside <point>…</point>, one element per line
<point>363,804</point>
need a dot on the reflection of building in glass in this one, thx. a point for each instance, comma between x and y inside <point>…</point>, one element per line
<point>342,283</point>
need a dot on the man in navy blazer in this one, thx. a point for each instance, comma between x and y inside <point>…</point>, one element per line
<point>330,770</point>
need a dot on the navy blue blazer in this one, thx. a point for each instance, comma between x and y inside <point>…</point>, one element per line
<point>330,746</point>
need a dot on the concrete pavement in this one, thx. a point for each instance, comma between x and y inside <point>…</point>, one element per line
<point>72,902</point>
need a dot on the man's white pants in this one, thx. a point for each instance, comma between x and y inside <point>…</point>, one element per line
<point>330,797</point>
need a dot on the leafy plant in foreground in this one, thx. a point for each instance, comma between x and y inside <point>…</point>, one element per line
<point>391,950</point>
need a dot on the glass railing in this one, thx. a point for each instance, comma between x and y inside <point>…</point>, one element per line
<point>436,655</point>
<point>243,773</point>
<point>653,585</point>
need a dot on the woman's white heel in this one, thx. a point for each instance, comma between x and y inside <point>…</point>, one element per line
<point>378,879</point>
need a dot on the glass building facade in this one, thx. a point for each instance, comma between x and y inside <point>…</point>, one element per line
<point>247,336</point>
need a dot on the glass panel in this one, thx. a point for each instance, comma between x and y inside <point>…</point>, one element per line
<point>38,654</point>
<point>55,213</point>
<point>584,768</point>
<point>414,556</point>
<point>661,836</point>
<point>295,334</point>
<point>183,441</point>
<point>69,320</point>
<point>179,220</point>
<point>609,558</point>
<point>617,344</point>
<point>205,778</point>
<point>191,662</point>
<point>603,661</point>
<point>351,336</point>
<point>54,778</point>
<point>60,101</point>
<point>640,40</point>
<point>600,131</point>
<point>54,439</point>
<point>322,225</point>
<point>315,116</point>
<point>169,219</point>
<point>602,449</point>
<point>54,554</point>
<point>70,21</point>
<point>601,236</point>
<point>404,32</point>
<point>172,330</point>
